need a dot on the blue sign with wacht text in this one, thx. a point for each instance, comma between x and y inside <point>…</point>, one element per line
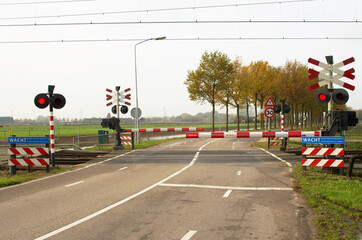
<point>27,140</point>
<point>323,140</point>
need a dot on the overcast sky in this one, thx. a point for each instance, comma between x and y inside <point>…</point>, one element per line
<point>81,67</point>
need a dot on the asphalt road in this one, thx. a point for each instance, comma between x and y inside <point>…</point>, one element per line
<point>186,189</point>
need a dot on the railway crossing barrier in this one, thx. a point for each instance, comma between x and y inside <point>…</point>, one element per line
<point>326,156</point>
<point>27,153</point>
<point>251,134</point>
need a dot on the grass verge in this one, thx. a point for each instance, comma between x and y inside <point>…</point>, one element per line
<point>6,179</point>
<point>336,199</point>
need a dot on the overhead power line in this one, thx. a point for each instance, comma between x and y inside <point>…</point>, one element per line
<point>154,10</point>
<point>181,39</point>
<point>179,22</point>
<point>43,2</point>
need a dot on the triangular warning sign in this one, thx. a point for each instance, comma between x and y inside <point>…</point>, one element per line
<point>269,103</point>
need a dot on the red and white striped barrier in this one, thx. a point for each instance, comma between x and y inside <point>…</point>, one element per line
<point>164,129</point>
<point>28,151</point>
<point>29,162</point>
<point>322,163</point>
<point>251,134</point>
<point>126,137</point>
<point>275,143</point>
<point>126,143</point>
<point>323,151</point>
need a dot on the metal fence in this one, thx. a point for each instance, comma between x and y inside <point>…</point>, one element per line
<point>353,138</point>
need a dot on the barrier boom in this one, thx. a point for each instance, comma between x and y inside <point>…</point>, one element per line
<point>164,129</point>
<point>252,134</point>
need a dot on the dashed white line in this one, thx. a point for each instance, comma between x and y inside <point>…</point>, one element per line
<point>227,193</point>
<point>188,235</point>
<point>122,168</point>
<point>69,185</point>
<point>238,173</point>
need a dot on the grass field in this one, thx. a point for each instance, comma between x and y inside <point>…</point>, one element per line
<point>336,199</point>
<point>74,130</point>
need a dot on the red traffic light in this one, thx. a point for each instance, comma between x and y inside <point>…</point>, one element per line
<point>41,100</point>
<point>322,96</point>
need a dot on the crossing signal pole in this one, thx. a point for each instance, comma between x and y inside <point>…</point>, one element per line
<point>338,120</point>
<point>57,101</point>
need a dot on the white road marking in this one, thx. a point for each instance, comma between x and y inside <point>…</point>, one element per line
<point>73,224</point>
<point>287,163</point>
<point>122,168</point>
<point>226,187</point>
<point>69,185</point>
<point>227,193</point>
<point>238,173</point>
<point>188,235</point>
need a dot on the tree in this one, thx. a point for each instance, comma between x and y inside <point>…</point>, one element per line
<point>240,95</point>
<point>226,86</point>
<point>261,75</point>
<point>203,84</point>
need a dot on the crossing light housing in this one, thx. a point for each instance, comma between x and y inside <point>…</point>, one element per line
<point>277,109</point>
<point>41,100</point>
<point>340,96</point>
<point>57,101</point>
<point>322,96</point>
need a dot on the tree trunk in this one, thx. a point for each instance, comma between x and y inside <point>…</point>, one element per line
<point>227,114</point>
<point>247,115</point>
<point>238,117</point>
<point>256,116</point>
<point>213,108</point>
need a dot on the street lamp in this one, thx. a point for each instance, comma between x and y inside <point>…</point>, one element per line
<point>135,69</point>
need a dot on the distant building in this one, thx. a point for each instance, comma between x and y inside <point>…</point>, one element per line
<point>6,120</point>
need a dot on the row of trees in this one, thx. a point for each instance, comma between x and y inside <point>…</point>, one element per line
<point>220,81</point>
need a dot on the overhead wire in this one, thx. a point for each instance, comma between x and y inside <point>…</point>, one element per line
<point>179,22</point>
<point>182,39</point>
<point>153,10</point>
<point>43,2</point>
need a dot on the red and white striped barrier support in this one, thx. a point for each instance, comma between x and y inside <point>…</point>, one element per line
<point>322,163</point>
<point>275,143</point>
<point>29,162</point>
<point>126,143</point>
<point>28,151</point>
<point>277,138</point>
<point>323,151</point>
<point>165,129</point>
<point>126,137</point>
<point>251,134</point>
